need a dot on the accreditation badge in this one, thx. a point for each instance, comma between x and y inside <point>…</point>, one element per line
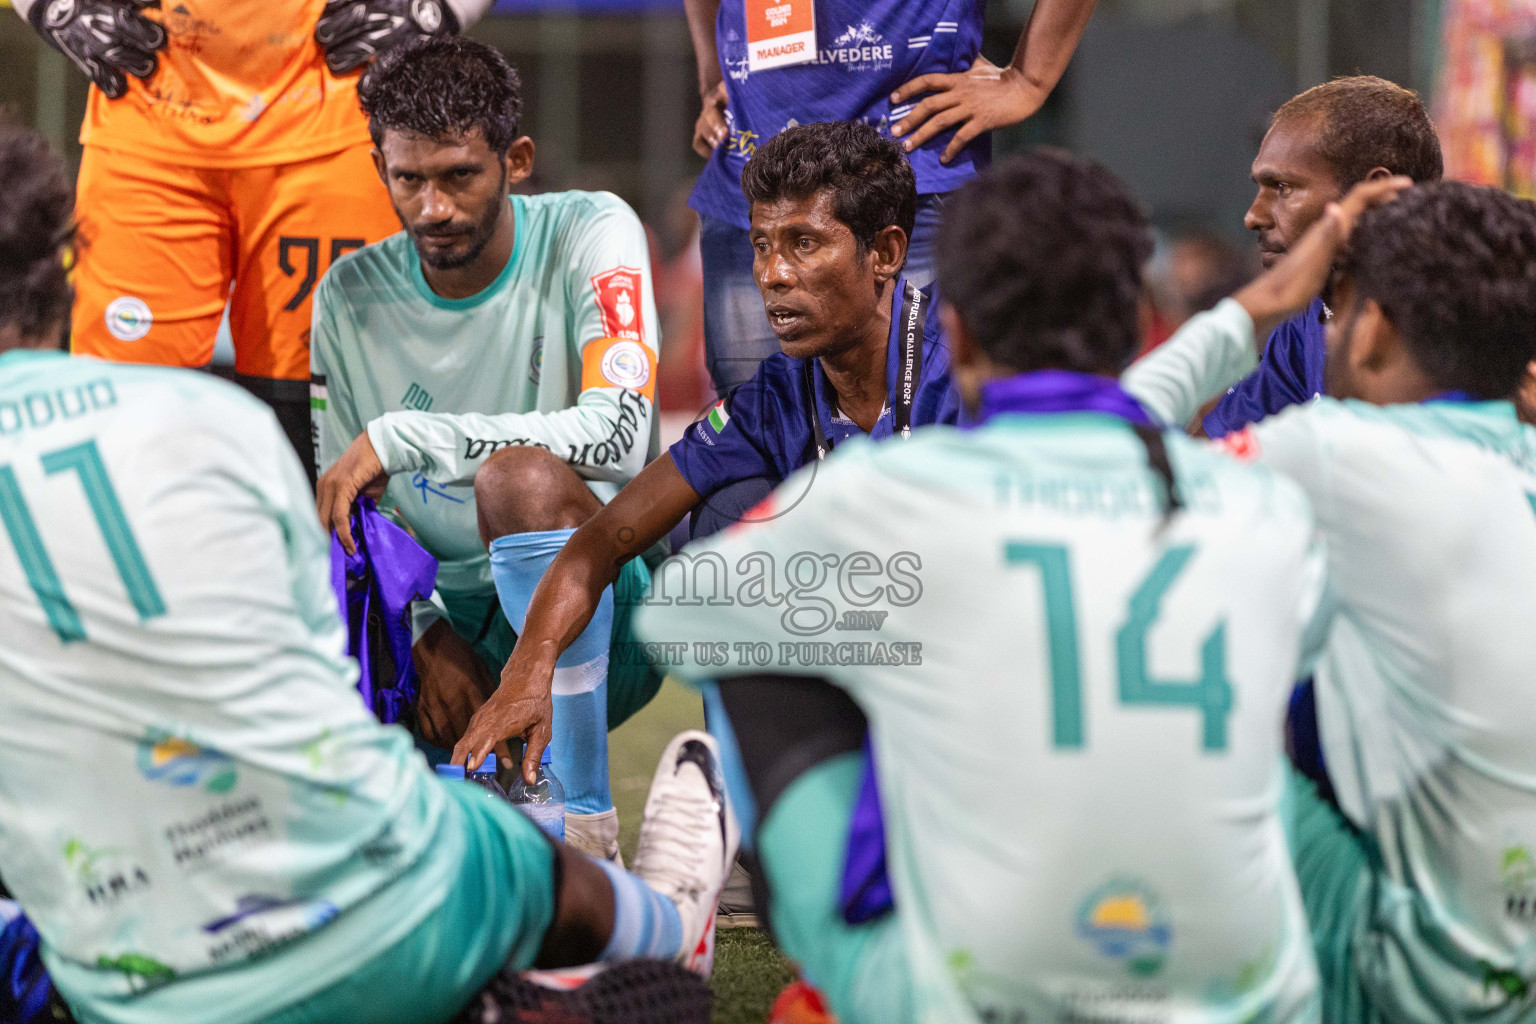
<point>780,33</point>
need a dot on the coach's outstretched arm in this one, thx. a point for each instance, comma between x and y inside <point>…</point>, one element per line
<point>638,516</point>
<point>1217,348</point>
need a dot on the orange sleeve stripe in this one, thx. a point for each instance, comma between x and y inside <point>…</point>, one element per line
<point>619,363</point>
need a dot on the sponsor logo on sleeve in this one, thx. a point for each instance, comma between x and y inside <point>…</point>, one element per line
<point>619,362</point>
<point>618,293</point>
<point>625,365</point>
<point>713,423</point>
<point>129,318</point>
<point>719,416</point>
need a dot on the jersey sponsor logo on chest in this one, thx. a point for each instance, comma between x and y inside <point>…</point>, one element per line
<point>859,48</point>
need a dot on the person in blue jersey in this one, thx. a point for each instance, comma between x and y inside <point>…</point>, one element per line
<point>1319,144</point>
<point>911,68</point>
<point>860,355</point>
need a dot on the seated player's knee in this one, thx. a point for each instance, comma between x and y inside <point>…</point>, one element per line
<point>526,489</point>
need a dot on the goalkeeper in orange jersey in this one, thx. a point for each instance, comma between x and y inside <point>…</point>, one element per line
<point>226,160</point>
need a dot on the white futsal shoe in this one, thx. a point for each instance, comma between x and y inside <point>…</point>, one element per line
<point>688,841</point>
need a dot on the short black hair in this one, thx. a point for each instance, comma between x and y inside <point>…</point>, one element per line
<point>1041,257</point>
<point>1367,122</point>
<point>872,183</point>
<point>444,88</point>
<point>36,229</point>
<point>1453,267</point>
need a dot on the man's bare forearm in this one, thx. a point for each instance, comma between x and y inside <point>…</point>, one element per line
<point>1049,38</point>
<point>701,28</point>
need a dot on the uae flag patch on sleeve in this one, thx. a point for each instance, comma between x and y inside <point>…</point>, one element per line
<point>719,417</point>
<point>713,423</point>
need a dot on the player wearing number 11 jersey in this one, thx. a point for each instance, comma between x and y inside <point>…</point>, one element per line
<point>197,812</point>
<point>1082,777</point>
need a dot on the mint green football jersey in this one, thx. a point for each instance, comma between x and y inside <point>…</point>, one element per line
<point>1424,655</point>
<point>188,778</point>
<point>558,352</point>
<point>1076,708</point>
<point>1426,686</point>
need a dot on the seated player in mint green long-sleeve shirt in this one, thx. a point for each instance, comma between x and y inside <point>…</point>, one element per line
<point>1416,873</point>
<point>1417,882</point>
<point>522,325</point>
<point>248,844</point>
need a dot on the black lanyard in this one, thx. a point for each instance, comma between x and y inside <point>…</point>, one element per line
<point>909,373</point>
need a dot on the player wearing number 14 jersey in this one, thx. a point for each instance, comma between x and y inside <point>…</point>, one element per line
<point>1081,778</point>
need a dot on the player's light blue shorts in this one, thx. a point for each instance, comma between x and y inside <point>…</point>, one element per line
<point>632,682</point>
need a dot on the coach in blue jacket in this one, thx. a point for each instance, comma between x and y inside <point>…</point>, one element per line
<point>860,354</point>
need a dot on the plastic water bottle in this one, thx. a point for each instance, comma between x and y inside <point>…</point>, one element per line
<point>544,801</point>
<point>484,776</point>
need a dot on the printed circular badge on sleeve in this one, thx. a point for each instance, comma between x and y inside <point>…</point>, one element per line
<point>625,366</point>
<point>619,363</point>
<point>129,318</point>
